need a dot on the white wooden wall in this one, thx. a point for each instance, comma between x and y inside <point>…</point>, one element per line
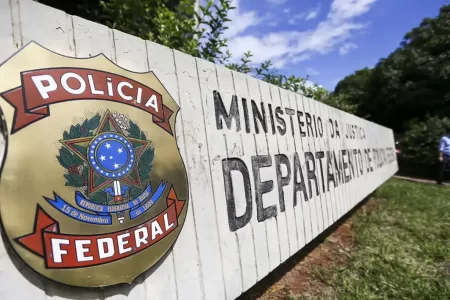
<point>208,261</point>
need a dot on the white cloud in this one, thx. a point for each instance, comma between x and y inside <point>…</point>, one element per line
<point>273,24</point>
<point>343,10</point>
<point>286,10</point>
<point>344,49</point>
<point>300,58</point>
<point>284,47</point>
<point>312,14</point>
<point>296,18</point>
<point>277,2</point>
<point>241,21</point>
<point>312,72</point>
<point>307,16</point>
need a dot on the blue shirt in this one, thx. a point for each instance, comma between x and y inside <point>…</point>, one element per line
<point>444,145</point>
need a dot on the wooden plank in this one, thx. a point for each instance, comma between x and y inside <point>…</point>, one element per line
<point>261,147</point>
<point>313,200</point>
<point>229,248</point>
<point>299,204</point>
<point>321,197</point>
<point>92,39</point>
<point>139,63</point>
<point>255,230</point>
<point>335,146</point>
<point>283,235</point>
<point>328,194</point>
<point>308,213</point>
<point>189,271</point>
<point>130,52</point>
<point>161,282</point>
<point>266,174</point>
<point>355,144</point>
<point>235,149</point>
<point>197,163</point>
<point>344,146</point>
<point>50,28</point>
<point>16,23</point>
<point>7,34</point>
<point>287,148</point>
<point>331,146</point>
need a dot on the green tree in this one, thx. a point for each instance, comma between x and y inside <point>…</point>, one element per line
<point>409,90</point>
<point>421,138</point>
<point>411,83</point>
<point>177,25</point>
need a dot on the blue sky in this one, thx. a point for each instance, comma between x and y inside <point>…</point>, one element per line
<point>326,39</point>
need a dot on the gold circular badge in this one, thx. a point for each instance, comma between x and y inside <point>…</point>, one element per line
<point>93,188</point>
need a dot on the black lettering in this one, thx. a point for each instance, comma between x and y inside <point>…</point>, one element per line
<point>282,181</point>
<point>280,120</point>
<point>345,166</point>
<point>310,171</point>
<point>290,112</point>
<point>336,126</point>
<point>246,118</point>
<point>272,122</point>
<point>301,124</point>
<point>315,126</point>
<point>338,168</point>
<point>330,122</point>
<point>299,181</point>
<point>361,166</point>
<point>258,116</point>
<point>330,170</point>
<point>308,124</point>
<point>229,165</point>
<point>222,112</point>
<point>352,161</point>
<point>261,188</point>
<point>320,126</point>
<point>369,159</point>
<point>319,156</point>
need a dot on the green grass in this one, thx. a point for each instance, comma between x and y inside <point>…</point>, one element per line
<point>402,248</point>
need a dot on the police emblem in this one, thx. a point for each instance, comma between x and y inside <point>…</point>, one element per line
<point>93,189</point>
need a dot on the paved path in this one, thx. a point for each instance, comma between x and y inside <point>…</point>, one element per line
<point>418,180</point>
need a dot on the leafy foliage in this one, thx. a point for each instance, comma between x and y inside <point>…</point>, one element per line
<point>408,91</point>
<point>77,171</point>
<point>411,83</point>
<point>421,138</point>
<point>179,25</point>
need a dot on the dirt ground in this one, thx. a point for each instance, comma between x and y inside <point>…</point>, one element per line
<point>296,276</point>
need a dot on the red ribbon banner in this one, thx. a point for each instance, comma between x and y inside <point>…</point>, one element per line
<point>65,251</point>
<point>43,87</point>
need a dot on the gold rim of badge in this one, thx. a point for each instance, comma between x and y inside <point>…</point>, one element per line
<point>94,191</point>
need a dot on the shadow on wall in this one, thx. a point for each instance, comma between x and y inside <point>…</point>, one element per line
<point>52,288</point>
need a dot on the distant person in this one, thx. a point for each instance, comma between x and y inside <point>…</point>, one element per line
<point>444,157</point>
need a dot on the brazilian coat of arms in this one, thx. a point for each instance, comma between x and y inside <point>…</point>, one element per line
<point>107,189</point>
